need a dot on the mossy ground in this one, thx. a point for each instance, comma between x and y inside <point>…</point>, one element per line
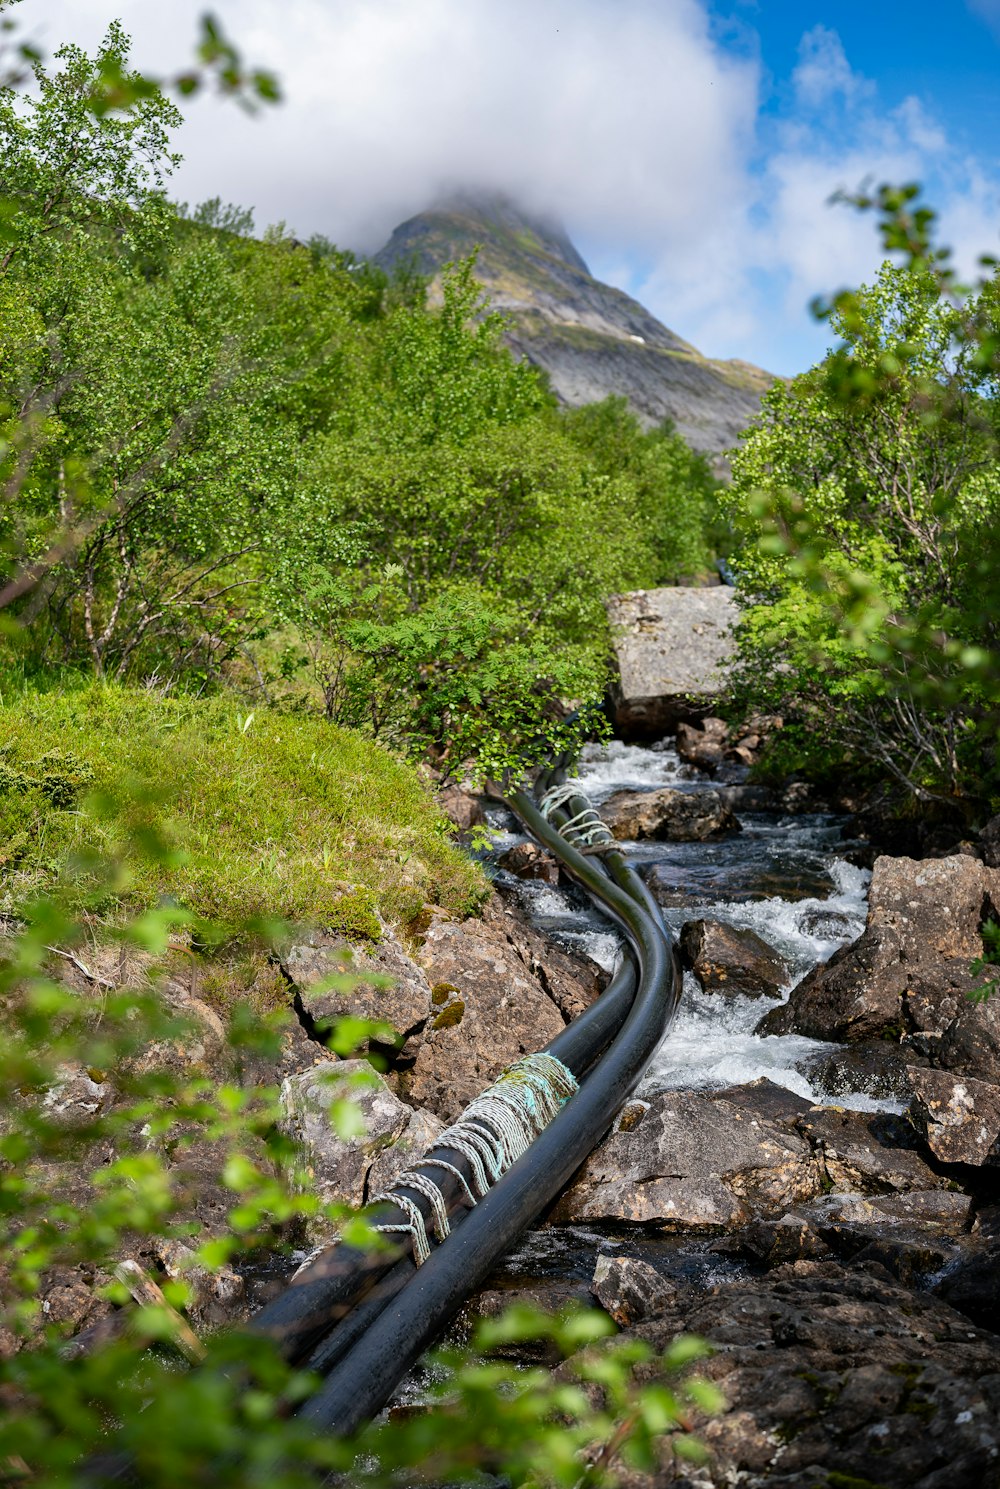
<point>268,815</point>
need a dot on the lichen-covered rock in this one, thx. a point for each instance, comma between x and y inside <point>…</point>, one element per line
<point>960,1116</point>
<point>867,1151</point>
<point>732,961</point>
<point>691,1162</point>
<point>837,1375</point>
<point>668,815</point>
<point>488,1009</point>
<point>629,1289</point>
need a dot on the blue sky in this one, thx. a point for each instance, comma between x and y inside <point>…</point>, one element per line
<point>690,146</point>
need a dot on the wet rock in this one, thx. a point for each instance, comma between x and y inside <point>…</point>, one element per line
<point>668,815</point>
<point>731,961</point>
<point>750,798</point>
<point>461,806</point>
<point>972,1281</point>
<point>388,988</point>
<point>528,861</point>
<point>340,1166</point>
<point>960,1116</point>
<point>630,1289</point>
<point>691,1162</point>
<point>488,1010</point>
<point>908,974</point>
<point>672,647</point>
<point>764,1098</point>
<point>838,1376</point>
<point>871,1152</point>
<point>704,744</point>
<point>875,1068</point>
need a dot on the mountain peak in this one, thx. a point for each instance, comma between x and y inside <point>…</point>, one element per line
<point>591,339</point>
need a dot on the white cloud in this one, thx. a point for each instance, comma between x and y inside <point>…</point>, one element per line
<point>630,121</point>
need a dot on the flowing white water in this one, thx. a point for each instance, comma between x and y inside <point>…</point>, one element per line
<point>780,877</point>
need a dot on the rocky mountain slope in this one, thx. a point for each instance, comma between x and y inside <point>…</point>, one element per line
<point>591,339</point>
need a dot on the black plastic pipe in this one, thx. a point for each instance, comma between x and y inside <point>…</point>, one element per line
<point>321,1296</point>
<point>364,1379</point>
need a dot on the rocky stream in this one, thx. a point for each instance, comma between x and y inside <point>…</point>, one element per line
<point>807,1175</point>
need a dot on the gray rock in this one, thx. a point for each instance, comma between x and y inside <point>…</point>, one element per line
<point>417,1138</point>
<point>866,1151</point>
<point>668,815</point>
<point>875,1068</point>
<point>960,1116</point>
<point>630,1289</point>
<point>909,971</point>
<point>838,1375</point>
<point>340,1166</point>
<point>731,961</point>
<point>672,648</point>
<point>401,999</point>
<point>691,1162</point>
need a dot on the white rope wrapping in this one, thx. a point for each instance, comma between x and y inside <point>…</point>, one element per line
<point>415,1226</point>
<point>493,1132</point>
<point>586,826</point>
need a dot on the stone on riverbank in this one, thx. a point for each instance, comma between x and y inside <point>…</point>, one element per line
<point>838,1375</point>
<point>668,816</point>
<point>629,1289</point>
<point>341,1166</point>
<point>672,647</point>
<point>907,977</point>
<point>691,1162</point>
<point>960,1116</point>
<point>732,961</point>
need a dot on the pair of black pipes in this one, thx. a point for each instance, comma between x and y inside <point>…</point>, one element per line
<point>364,1319</point>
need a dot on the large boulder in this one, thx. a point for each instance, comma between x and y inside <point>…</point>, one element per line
<point>731,961</point>
<point>691,1162</point>
<point>672,647</point>
<point>668,815</point>
<point>487,1010</point>
<point>838,1376</point>
<point>907,978</point>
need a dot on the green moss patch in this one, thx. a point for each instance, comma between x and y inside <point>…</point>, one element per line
<point>259,815</point>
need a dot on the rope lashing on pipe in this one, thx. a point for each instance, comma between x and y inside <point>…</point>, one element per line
<point>586,826</point>
<point>493,1132</point>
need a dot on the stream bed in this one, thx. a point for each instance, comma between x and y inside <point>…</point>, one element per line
<point>783,876</point>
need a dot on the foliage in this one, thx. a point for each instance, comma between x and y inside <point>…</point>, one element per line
<point>863,520</point>
<point>673,493</point>
<point>266,816</point>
